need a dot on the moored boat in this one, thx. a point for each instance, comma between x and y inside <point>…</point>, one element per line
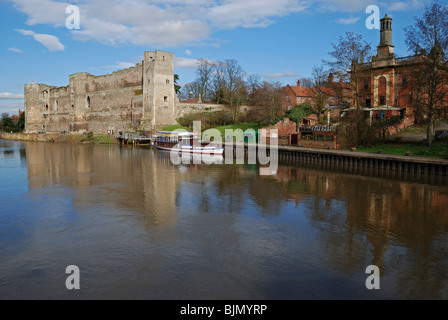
<point>185,142</point>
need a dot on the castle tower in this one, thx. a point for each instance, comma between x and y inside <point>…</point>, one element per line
<point>385,49</point>
<point>158,90</point>
<point>33,111</point>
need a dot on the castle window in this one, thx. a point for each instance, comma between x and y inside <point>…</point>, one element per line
<point>56,105</point>
<point>149,80</point>
<point>46,107</point>
<point>165,99</point>
<point>88,102</point>
<point>167,81</point>
<point>163,58</point>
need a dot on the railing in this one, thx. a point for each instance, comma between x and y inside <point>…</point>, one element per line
<point>317,128</point>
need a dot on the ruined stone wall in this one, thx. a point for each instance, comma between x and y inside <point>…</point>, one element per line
<point>88,103</point>
<point>185,108</point>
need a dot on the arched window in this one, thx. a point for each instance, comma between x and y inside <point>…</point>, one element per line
<point>88,102</point>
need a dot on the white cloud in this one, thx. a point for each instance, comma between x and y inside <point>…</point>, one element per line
<point>49,41</point>
<point>348,21</point>
<point>185,63</point>
<point>15,50</point>
<point>12,96</point>
<point>188,52</point>
<point>170,23</point>
<point>251,13</point>
<point>285,74</point>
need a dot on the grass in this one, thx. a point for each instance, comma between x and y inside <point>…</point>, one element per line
<point>437,149</point>
<point>243,126</point>
<point>174,127</point>
<point>222,129</point>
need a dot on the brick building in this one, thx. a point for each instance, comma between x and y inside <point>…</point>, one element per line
<point>389,82</point>
<point>336,92</point>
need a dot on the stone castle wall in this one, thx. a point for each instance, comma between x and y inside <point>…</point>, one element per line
<point>114,101</point>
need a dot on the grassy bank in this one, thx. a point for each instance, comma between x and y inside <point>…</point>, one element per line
<point>61,138</point>
<point>437,149</point>
<point>222,129</point>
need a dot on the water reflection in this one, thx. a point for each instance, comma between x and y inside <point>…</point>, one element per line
<point>219,231</point>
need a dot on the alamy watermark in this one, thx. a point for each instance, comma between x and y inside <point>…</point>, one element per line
<point>73,20</point>
<point>373,280</point>
<point>73,280</point>
<point>373,21</point>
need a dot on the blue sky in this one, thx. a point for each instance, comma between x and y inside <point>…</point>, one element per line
<point>279,40</point>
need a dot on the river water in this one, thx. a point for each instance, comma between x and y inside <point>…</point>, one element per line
<point>139,227</point>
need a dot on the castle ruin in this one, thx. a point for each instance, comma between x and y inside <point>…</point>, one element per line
<point>141,98</point>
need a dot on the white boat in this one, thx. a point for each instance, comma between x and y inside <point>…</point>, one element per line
<point>185,142</point>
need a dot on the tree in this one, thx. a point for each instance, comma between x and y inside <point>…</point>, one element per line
<point>350,53</point>
<point>177,88</point>
<point>253,89</point>
<point>218,82</point>
<point>429,37</point>
<point>270,99</point>
<point>8,125</point>
<point>299,112</point>
<point>235,91</point>
<point>321,92</point>
<point>21,122</point>
<point>191,88</point>
<point>204,74</point>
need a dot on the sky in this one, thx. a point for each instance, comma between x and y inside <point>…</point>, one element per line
<point>279,40</point>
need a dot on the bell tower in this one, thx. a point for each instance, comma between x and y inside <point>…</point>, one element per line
<point>386,48</point>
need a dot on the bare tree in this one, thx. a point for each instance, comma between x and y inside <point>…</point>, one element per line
<point>204,74</point>
<point>429,37</point>
<point>350,53</point>
<point>321,91</point>
<point>271,99</point>
<point>253,88</point>
<point>235,90</point>
<point>218,83</point>
<point>191,89</point>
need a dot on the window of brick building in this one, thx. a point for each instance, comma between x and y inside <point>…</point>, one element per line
<point>382,100</point>
<point>287,98</point>
<point>404,82</point>
<point>368,103</point>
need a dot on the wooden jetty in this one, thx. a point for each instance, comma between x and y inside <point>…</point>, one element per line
<point>126,138</point>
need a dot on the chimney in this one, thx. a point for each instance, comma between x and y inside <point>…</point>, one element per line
<point>330,78</point>
<point>299,83</point>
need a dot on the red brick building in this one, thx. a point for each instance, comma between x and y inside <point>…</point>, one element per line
<point>388,81</point>
<point>337,94</point>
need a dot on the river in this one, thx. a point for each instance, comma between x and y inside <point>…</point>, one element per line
<point>138,226</point>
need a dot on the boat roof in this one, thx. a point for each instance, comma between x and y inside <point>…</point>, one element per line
<point>174,133</point>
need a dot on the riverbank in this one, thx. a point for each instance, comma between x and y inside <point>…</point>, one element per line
<point>61,138</point>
